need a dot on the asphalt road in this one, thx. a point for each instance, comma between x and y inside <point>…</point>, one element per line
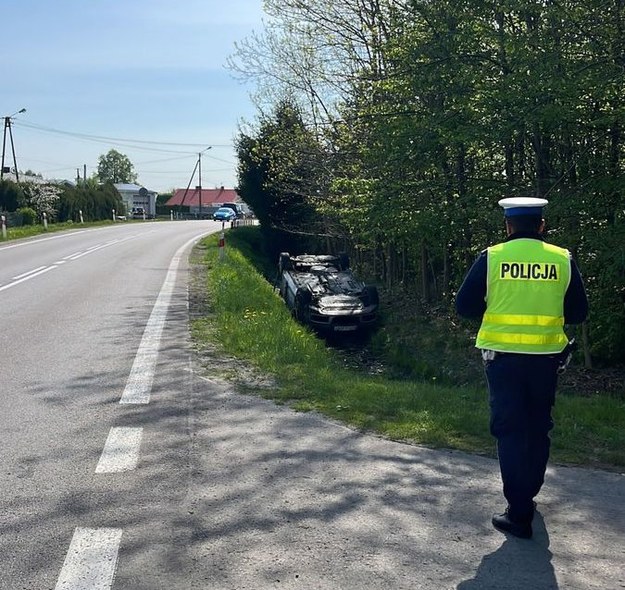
<point>126,463</point>
<point>78,312</point>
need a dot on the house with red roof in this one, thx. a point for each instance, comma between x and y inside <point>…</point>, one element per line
<point>203,201</point>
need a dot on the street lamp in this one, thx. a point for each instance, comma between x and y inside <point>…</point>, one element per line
<point>7,125</point>
<point>199,162</point>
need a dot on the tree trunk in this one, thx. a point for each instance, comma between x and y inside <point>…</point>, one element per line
<point>424,273</point>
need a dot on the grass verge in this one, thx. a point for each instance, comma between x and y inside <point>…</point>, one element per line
<point>248,320</point>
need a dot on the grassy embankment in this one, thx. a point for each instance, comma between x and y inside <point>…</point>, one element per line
<point>248,320</point>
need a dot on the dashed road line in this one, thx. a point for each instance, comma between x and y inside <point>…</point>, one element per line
<point>96,248</point>
<point>42,269</point>
<point>91,560</point>
<point>27,276</point>
<point>121,450</point>
<point>39,240</point>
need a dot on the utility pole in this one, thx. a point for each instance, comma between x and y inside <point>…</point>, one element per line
<point>184,196</point>
<point>199,163</point>
<point>7,127</point>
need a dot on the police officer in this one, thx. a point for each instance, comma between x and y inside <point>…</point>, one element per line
<point>524,290</point>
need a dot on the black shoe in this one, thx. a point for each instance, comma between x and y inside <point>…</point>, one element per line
<point>502,522</point>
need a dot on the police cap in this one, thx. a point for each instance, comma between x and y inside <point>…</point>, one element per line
<point>513,206</point>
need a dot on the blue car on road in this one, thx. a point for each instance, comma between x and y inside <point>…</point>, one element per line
<point>224,214</point>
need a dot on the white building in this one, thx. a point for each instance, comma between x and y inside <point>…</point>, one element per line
<point>135,196</point>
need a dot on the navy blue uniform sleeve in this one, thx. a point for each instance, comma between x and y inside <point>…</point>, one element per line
<point>471,297</point>
<point>575,300</point>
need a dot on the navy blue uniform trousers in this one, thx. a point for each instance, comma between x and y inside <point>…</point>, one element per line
<point>522,391</point>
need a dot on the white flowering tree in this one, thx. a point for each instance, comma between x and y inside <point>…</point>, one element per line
<point>42,198</point>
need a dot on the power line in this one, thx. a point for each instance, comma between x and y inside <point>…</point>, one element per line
<point>100,138</point>
<point>185,157</point>
<point>134,144</point>
<point>181,171</point>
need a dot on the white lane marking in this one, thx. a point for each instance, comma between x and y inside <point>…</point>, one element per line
<point>121,450</point>
<point>91,250</point>
<point>25,274</point>
<point>38,271</point>
<point>139,384</point>
<point>29,242</point>
<point>91,560</point>
<point>38,240</point>
<point>26,278</point>
<point>100,246</point>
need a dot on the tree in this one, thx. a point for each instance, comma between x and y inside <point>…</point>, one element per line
<point>11,195</point>
<point>116,167</point>
<point>42,198</point>
<point>162,198</point>
<point>280,177</point>
<point>94,200</point>
<point>414,117</point>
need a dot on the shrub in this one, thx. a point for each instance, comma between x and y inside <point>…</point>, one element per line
<point>29,216</point>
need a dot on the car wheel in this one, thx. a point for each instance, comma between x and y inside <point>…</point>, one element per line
<point>303,297</point>
<point>282,289</point>
<point>284,262</point>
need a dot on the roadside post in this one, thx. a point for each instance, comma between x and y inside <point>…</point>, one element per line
<point>222,242</point>
<point>113,215</point>
<point>171,215</point>
<point>80,213</point>
<point>3,221</point>
<point>45,221</point>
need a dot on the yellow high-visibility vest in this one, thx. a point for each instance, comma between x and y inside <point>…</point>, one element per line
<point>526,283</point>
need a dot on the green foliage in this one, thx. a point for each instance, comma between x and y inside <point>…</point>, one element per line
<point>249,241</point>
<point>162,198</point>
<point>11,195</point>
<point>29,216</point>
<point>279,178</point>
<point>94,200</point>
<point>603,259</point>
<point>115,167</point>
<point>434,111</point>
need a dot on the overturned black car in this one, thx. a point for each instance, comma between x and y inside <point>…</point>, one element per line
<point>322,292</point>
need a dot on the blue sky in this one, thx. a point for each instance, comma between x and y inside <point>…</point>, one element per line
<point>130,70</point>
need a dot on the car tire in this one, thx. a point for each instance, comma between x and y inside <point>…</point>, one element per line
<point>303,297</point>
<point>284,262</point>
<point>282,289</point>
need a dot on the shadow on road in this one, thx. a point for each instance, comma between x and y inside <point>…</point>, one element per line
<point>517,564</point>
